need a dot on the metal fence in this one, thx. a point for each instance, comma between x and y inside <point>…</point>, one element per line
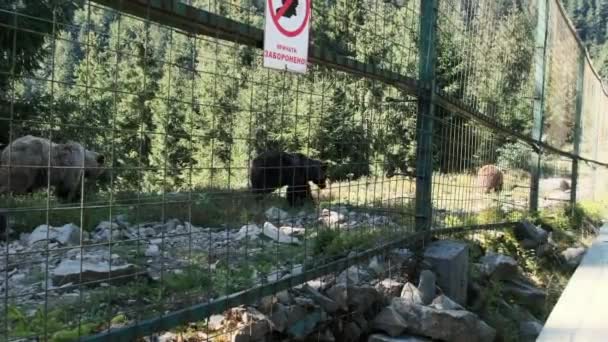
<point>405,102</point>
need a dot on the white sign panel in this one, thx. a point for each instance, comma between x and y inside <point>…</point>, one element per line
<point>286,34</point>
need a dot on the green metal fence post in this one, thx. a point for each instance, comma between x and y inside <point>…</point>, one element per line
<point>580,85</point>
<point>426,113</point>
<point>539,97</point>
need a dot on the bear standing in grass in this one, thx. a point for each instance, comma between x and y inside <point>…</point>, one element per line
<point>273,169</point>
<point>24,167</point>
<point>489,177</point>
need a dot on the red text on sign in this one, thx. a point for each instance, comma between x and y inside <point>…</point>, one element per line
<point>286,48</point>
<point>284,57</point>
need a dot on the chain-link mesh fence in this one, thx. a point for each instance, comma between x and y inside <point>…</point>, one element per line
<point>155,173</point>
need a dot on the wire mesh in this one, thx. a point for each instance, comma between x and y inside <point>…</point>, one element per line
<point>157,225</point>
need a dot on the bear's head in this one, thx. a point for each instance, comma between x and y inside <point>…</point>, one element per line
<point>93,164</point>
<point>320,175</point>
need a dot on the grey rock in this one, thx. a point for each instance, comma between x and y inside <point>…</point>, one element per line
<point>339,294</point>
<point>443,302</point>
<point>529,331</point>
<point>304,302</point>
<point>250,231</point>
<point>275,234</point>
<point>352,276</point>
<point>498,266</point>
<point>107,230</point>
<point>411,294</point>
<point>528,231</point>
<point>402,338</point>
<point>284,298</point>
<point>121,220</point>
<point>390,321</point>
<point>318,284</point>
<point>450,261</point>
<point>389,287</point>
<point>362,298</point>
<point>331,219</point>
<point>292,231</point>
<point>427,286</point>
<point>325,303</point>
<point>106,225</point>
<point>306,325</point>
<point>279,316</point>
<point>68,234</point>
<point>152,251</point>
<point>157,241</point>
<point>524,293</point>
<point>170,225</point>
<point>148,232</point>
<point>352,332</point>
<point>276,215</point>
<point>445,325</point>
<point>574,256</point>
<point>69,271</point>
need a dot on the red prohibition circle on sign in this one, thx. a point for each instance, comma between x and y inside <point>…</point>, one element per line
<point>276,16</point>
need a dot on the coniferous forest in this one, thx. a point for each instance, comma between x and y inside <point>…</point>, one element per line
<point>175,111</point>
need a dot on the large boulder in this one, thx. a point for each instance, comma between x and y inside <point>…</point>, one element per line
<point>445,303</point>
<point>276,215</point>
<point>326,303</point>
<point>445,325</point>
<point>412,294</point>
<point>529,330</point>
<point>529,234</point>
<point>450,261</point>
<point>93,267</point>
<point>275,234</point>
<point>427,287</point>
<point>390,321</point>
<point>574,256</point>
<point>498,266</point>
<point>68,234</point>
<point>362,298</point>
<point>524,293</point>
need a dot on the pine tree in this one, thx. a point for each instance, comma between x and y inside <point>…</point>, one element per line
<point>171,154</point>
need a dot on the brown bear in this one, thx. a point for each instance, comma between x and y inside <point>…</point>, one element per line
<point>273,169</point>
<point>489,177</point>
<point>24,167</point>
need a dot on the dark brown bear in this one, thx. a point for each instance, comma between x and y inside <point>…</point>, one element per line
<point>273,169</point>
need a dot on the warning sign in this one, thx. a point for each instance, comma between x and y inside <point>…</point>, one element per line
<point>286,34</point>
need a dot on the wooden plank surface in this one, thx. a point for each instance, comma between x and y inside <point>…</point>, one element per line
<point>581,314</point>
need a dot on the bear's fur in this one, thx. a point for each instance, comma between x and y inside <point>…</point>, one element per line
<point>24,167</point>
<point>564,185</point>
<point>273,169</point>
<point>489,177</point>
